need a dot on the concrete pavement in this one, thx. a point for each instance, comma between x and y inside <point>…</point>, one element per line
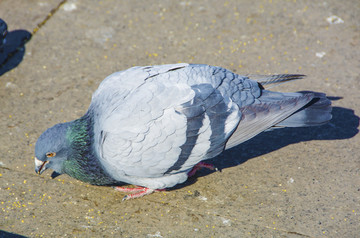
<point>285,183</point>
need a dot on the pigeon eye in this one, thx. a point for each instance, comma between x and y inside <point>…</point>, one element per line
<point>50,154</point>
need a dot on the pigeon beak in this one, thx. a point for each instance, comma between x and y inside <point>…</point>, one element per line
<point>40,166</point>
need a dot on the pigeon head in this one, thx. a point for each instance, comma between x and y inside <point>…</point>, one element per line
<point>51,149</point>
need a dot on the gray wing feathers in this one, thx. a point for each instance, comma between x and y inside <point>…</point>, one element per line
<point>270,109</point>
<point>118,86</point>
<point>207,116</point>
<point>150,131</point>
<point>167,121</point>
<point>136,124</point>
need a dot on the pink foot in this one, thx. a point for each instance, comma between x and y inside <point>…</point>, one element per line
<point>136,192</point>
<point>199,166</point>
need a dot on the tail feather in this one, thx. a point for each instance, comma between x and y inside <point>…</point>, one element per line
<point>274,80</point>
<point>317,112</point>
<point>276,110</point>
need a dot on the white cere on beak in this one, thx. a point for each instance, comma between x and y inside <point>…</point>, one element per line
<point>38,162</point>
<point>40,165</point>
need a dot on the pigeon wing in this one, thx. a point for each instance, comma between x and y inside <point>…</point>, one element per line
<point>145,126</point>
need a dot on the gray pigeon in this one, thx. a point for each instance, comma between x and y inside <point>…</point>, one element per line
<point>152,126</point>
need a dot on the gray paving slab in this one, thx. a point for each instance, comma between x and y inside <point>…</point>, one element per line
<point>285,183</point>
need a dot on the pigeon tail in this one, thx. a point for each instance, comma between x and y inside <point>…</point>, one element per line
<point>315,113</point>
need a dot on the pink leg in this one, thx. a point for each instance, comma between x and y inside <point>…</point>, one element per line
<point>136,192</point>
<point>199,166</point>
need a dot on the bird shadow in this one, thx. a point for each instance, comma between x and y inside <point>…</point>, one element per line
<point>13,50</point>
<point>343,125</point>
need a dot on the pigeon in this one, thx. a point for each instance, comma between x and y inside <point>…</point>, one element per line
<point>153,126</point>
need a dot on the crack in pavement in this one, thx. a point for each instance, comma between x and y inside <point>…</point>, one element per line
<point>49,15</point>
<point>20,47</point>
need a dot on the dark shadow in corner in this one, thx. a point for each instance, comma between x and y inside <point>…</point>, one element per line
<point>13,50</point>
